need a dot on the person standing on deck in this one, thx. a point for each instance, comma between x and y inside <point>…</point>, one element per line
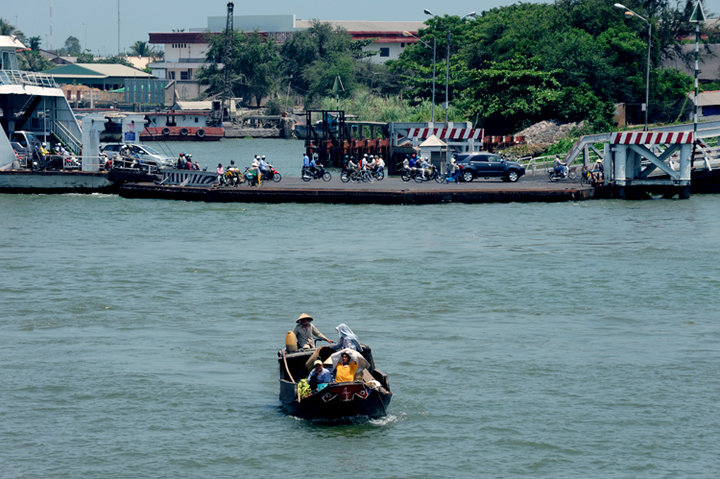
<point>306,333</point>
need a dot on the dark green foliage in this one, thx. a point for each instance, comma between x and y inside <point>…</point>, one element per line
<point>571,60</point>
<point>143,49</point>
<point>32,60</point>
<point>254,65</point>
<point>71,48</point>
<point>314,57</point>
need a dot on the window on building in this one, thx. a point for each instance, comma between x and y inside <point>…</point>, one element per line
<point>171,75</point>
<point>184,75</point>
<point>384,52</point>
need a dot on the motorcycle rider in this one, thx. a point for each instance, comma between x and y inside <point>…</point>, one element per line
<point>412,163</point>
<point>233,172</point>
<point>379,165</point>
<point>306,162</point>
<point>424,166</point>
<point>314,167</point>
<point>363,162</point>
<point>560,167</point>
<point>264,166</point>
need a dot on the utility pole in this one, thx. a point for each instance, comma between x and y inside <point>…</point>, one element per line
<point>227,60</point>
<point>697,17</point>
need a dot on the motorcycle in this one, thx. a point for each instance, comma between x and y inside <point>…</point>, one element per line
<point>319,172</point>
<point>365,176</point>
<point>271,174</point>
<point>251,176</point>
<point>431,173</point>
<point>233,177</point>
<point>408,174</point>
<point>569,173</point>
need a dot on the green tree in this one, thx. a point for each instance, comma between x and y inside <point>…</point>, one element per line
<point>117,59</point>
<point>86,56</point>
<point>253,68</point>
<point>32,60</point>
<point>72,47</point>
<point>511,94</point>
<point>7,28</point>
<point>315,56</point>
<point>593,55</point>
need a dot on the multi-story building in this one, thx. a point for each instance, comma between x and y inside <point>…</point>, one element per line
<point>185,52</point>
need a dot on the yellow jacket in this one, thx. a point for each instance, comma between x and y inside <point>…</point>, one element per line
<point>346,372</point>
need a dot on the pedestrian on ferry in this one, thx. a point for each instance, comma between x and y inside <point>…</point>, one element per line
<point>220,174</point>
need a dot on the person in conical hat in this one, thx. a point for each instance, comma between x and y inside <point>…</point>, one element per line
<point>306,332</point>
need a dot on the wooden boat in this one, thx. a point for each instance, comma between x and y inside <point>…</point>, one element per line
<point>367,396</point>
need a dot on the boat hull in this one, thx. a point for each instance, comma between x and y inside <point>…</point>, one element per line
<point>338,400</point>
<point>27,181</point>
<point>182,133</point>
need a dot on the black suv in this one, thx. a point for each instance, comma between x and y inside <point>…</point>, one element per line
<point>487,165</point>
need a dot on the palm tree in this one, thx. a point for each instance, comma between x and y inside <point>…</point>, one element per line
<point>142,49</point>
<point>6,28</point>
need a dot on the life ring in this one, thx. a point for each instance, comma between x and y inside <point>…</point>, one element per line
<point>166,131</point>
<point>200,133</point>
<point>183,132</point>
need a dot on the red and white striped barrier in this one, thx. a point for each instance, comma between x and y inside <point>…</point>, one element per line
<point>651,138</point>
<point>446,133</point>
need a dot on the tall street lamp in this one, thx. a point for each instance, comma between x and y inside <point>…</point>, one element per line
<point>434,48</point>
<point>630,13</point>
<point>447,63</point>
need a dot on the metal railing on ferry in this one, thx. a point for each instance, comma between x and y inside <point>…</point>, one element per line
<point>70,140</point>
<point>25,78</point>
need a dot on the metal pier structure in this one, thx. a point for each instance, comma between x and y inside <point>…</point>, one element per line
<point>663,161</point>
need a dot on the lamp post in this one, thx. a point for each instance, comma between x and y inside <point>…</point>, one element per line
<point>630,13</point>
<point>447,63</point>
<point>434,49</point>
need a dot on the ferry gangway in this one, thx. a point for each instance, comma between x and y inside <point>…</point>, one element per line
<point>66,136</point>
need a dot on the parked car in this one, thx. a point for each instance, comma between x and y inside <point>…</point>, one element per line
<point>480,164</point>
<point>144,153</point>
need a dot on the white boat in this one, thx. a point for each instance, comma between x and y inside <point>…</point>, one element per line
<point>33,108</point>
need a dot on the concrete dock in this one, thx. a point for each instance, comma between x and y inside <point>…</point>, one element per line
<point>389,191</point>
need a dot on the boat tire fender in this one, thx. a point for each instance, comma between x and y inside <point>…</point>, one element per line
<point>183,132</point>
<point>200,133</point>
<point>166,131</point>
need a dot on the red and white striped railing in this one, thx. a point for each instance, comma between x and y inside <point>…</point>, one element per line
<point>447,133</point>
<point>651,138</point>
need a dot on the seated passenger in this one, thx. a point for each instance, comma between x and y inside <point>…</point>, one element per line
<point>345,371</point>
<point>319,376</point>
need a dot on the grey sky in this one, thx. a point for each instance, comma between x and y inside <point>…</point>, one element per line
<point>95,22</point>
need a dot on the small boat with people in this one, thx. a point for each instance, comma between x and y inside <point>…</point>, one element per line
<point>330,382</point>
